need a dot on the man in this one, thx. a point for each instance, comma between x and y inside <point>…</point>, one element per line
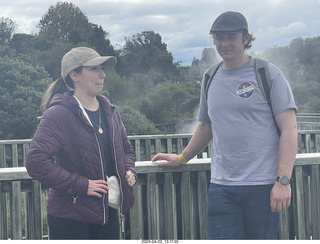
<point>250,165</point>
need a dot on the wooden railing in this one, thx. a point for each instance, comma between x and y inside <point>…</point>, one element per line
<point>161,194</point>
<point>170,203</point>
<point>13,152</point>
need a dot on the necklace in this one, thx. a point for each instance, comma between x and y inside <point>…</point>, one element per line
<point>100,130</point>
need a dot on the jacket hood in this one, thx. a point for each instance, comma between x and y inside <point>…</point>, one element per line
<point>65,99</point>
<point>68,100</point>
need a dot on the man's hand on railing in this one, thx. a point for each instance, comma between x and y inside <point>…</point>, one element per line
<point>167,160</point>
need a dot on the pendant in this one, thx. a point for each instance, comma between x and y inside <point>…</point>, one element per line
<point>100,130</point>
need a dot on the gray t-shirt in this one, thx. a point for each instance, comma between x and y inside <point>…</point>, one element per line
<point>245,140</point>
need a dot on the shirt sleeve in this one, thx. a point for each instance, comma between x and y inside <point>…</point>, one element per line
<point>203,115</point>
<point>281,95</point>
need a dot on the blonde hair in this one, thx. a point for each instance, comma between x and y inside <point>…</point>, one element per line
<point>251,39</point>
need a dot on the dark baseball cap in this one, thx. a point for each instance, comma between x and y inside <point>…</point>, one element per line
<point>229,22</point>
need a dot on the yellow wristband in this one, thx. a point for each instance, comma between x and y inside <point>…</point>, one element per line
<point>182,159</point>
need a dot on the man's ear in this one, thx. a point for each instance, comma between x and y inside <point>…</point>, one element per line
<point>246,39</point>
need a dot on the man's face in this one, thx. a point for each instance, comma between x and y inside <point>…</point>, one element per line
<point>230,45</point>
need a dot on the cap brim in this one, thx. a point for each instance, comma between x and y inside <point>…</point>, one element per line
<point>106,61</point>
<point>227,31</point>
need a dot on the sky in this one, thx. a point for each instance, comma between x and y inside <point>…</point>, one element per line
<point>183,24</point>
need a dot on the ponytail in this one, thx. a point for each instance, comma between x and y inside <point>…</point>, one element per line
<point>59,86</point>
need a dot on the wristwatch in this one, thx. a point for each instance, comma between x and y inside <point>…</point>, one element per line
<point>283,180</point>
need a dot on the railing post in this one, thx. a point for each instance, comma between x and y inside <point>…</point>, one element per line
<point>3,216</point>
<point>137,222</point>
<point>33,211</point>
<point>317,143</point>
<point>170,207</point>
<point>15,211</point>
<point>137,149</point>
<point>152,205</point>
<point>284,225</point>
<point>315,201</point>
<point>186,206</point>
<point>202,188</point>
<point>300,210</point>
<point>2,156</point>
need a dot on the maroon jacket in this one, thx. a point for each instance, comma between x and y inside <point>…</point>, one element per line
<point>64,153</point>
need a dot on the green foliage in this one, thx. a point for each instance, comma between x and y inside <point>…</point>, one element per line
<point>21,91</point>
<point>144,52</point>
<point>26,44</point>
<point>7,28</point>
<point>300,63</point>
<point>50,59</point>
<point>98,39</point>
<point>136,123</point>
<point>146,84</point>
<point>199,66</point>
<point>64,22</point>
<point>171,102</point>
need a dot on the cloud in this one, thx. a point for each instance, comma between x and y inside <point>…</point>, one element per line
<point>182,24</point>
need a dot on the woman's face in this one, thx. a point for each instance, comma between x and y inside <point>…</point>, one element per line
<point>90,80</point>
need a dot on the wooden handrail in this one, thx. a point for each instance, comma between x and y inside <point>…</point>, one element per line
<point>13,152</point>
<point>170,202</point>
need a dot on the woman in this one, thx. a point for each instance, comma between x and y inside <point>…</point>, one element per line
<point>79,142</point>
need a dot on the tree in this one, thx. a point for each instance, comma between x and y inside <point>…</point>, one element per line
<point>51,59</point>
<point>146,51</point>
<point>136,123</point>
<point>27,44</point>
<point>98,39</point>
<point>209,57</point>
<point>171,102</point>
<point>64,22</point>
<point>119,90</point>
<point>300,63</point>
<point>21,89</point>
<point>199,66</point>
<point>7,29</point>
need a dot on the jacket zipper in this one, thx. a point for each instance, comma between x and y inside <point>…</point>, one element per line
<point>101,162</point>
<point>116,163</point>
<point>74,199</point>
<point>104,178</point>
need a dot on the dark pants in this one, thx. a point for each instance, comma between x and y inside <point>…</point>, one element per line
<point>67,229</point>
<point>241,212</point>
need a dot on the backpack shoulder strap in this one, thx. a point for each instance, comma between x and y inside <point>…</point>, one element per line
<point>209,74</point>
<point>263,77</point>
<point>264,82</point>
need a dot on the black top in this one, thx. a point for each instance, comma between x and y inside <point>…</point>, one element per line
<point>104,138</point>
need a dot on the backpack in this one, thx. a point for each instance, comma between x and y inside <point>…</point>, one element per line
<point>262,75</point>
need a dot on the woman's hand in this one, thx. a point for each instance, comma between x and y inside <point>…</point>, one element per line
<point>97,188</point>
<point>131,178</point>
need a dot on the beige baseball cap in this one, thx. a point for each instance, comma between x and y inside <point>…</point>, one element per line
<point>83,56</point>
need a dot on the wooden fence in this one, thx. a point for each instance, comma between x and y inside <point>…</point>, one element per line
<point>170,203</point>
<point>13,152</point>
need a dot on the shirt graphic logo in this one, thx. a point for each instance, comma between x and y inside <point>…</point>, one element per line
<point>245,90</point>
